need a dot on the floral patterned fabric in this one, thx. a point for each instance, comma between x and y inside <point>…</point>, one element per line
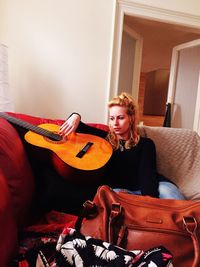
<point>79,250</point>
<point>72,249</point>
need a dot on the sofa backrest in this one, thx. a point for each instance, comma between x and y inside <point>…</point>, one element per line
<point>178,152</point>
<point>178,156</point>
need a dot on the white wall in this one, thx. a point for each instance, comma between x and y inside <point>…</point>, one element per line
<point>59,55</point>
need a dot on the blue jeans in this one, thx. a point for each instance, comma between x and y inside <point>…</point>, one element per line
<point>165,189</point>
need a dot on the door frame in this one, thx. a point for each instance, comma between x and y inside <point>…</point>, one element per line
<point>131,8</point>
<point>172,81</point>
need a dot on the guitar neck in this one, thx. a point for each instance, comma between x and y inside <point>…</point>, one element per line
<point>31,127</point>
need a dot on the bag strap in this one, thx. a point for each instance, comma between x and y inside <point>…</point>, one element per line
<point>190,225</point>
<point>114,221</point>
<point>89,210</point>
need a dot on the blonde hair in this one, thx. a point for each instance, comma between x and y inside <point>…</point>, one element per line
<point>125,100</point>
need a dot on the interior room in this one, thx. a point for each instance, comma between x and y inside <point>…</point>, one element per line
<point>159,39</point>
<point>73,185</point>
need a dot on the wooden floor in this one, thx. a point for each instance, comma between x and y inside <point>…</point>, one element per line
<point>152,120</point>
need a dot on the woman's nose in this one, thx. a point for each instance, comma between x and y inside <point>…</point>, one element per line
<point>116,122</point>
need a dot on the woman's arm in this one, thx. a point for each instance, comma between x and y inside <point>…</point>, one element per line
<point>74,124</point>
<point>147,169</point>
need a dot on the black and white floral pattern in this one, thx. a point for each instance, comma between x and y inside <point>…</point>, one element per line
<point>72,249</point>
<point>85,251</point>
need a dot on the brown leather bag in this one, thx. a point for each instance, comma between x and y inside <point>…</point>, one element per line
<point>142,222</point>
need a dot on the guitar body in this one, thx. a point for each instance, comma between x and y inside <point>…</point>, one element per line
<point>67,149</point>
<point>80,158</point>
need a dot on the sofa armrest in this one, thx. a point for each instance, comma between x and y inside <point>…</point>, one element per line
<point>15,167</point>
<point>8,226</point>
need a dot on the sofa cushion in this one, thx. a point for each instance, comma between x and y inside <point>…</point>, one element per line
<point>15,167</point>
<point>178,157</point>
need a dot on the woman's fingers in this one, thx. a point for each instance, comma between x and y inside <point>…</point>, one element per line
<point>70,125</point>
<point>65,129</point>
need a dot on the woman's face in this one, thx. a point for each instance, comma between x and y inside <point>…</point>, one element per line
<point>119,122</point>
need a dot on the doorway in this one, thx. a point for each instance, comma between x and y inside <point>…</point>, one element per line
<point>184,86</point>
<point>159,36</point>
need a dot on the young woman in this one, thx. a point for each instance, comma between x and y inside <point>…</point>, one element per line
<point>132,167</point>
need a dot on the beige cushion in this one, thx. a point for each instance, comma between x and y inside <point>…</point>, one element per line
<point>178,157</point>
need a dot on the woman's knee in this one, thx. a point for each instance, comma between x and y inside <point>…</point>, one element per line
<point>169,190</point>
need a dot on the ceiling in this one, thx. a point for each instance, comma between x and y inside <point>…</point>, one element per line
<point>159,38</point>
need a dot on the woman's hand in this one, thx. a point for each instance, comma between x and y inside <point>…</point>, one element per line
<point>70,125</point>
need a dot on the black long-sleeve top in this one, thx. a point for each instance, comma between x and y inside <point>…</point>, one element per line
<point>132,169</point>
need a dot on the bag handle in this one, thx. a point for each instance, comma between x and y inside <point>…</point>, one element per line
<point>90,211</point>
<point>190,225</point>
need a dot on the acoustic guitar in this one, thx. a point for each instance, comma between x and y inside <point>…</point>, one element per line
<point>81,151</point>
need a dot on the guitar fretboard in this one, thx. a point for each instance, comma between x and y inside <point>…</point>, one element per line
<point>31,127</point>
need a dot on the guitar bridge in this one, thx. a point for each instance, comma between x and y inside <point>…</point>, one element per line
<point>82,152</point>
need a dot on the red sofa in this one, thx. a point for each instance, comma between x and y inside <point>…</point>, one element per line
<point>17,184</point>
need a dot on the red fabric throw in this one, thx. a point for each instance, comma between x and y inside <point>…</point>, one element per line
<point>52,221</point>
<point>46,231</point>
